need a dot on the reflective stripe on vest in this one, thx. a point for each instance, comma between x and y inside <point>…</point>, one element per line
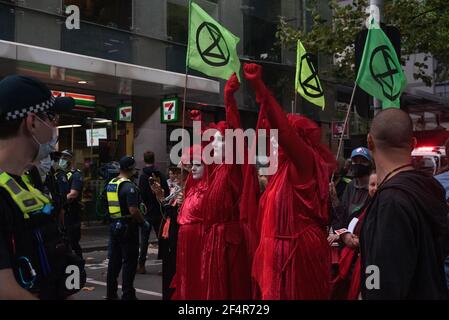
<point>71,173</point>
<point>26,178</point>
<point>28,201</point>
<point>112,193</point>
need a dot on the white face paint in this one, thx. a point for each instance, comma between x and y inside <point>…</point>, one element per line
<point>274,145</point>
<point>218,144</point>
<point>197,170</point>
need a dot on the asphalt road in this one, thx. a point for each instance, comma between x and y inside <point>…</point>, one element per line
<point>148,286</point>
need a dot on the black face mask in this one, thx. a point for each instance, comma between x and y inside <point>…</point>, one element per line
<point>360,170</point>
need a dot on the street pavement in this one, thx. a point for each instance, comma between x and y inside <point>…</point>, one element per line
<point>148,286</point>
<point>94,240</point>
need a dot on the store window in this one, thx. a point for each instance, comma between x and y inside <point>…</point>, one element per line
<point>111,13</point>
<point>7,22</point>
<point>260,19</point>
<point>177,22</point>
<point>178,17</point>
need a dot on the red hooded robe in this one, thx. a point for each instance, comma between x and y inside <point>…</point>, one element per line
<point>225,264</point>
<point>292,260</point>
<point>187,281</point>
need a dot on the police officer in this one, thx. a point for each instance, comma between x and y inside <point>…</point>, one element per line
<point>72,183</point>
<point>124,209</point>
<point>33,255</point>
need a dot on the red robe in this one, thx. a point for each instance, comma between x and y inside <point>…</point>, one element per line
<point>187,280</point>
<point>292,260</point>
<point>346,285</point>
<point>225,265</point>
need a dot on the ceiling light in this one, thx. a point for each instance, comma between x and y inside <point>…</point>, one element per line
<point>69,126</point>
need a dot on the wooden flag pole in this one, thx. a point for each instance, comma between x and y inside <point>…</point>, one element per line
<point>296,99</point>
<point>344,126</point>
<point>184,98</point>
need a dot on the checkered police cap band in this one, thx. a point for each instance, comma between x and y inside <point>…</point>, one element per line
<point>40,107</point>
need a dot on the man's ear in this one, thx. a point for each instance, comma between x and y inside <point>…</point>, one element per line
<point>414,143</point>
<point>30,122</point>
<point>370,142</point>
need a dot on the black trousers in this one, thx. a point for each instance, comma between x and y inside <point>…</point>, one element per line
<point>74,235</point>
<point>124,252</point>
<point>155,223</point>
<point>73,227</point>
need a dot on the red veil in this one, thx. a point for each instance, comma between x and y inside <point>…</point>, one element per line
<point>187,280</point>
<point>226,265</point>
<point>292,260</point>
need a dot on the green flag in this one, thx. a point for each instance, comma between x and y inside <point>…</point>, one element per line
<point>380,73</point>
<point>307,82</point>
<point>211,49</point>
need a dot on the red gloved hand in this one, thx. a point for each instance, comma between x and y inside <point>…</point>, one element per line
<point>232,85</point>
<point>195,115</point>
<point>252,71</point>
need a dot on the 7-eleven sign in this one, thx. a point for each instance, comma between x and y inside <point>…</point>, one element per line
<point>83,102</point>
<point>125,112</point>
<point>170,110</point>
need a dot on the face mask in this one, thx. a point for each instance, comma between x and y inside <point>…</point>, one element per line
<point>46,148</point>
<point>343,172</point>
<point>44,167</point>
<point>360,170</point>
<point>63,164</point>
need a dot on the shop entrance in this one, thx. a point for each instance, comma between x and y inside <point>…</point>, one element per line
<point>96,137</point>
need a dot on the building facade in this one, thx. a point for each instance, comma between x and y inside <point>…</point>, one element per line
<point>132,53</point>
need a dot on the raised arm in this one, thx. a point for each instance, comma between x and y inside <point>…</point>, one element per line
<point>292,144</point>
<point>232,111</point>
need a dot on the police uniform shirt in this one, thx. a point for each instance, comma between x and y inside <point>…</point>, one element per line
<point>62,183</point>
<point>128,197</point>
<point>20,241</point>
<point>76,182</point>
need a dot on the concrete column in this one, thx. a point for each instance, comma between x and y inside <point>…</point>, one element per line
<point>149,133</point>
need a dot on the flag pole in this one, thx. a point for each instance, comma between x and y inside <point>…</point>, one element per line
<point>184,98</point>
<point>345,125</point>
<point>296,99</point>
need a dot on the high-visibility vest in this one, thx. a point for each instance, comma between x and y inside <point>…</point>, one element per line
<point>26,178</point>
<point>29,201</point>
<point>347,180</point>
<point>112,194</point>
<point>70,174</point>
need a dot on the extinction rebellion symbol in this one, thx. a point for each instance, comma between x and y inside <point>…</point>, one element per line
<point>386,78</point>
<point>211,45</point>
<point>311,84</point>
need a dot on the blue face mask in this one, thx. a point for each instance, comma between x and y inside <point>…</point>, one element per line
<point>63,164</point>
<point>44,167</point>
<point>46,148</point>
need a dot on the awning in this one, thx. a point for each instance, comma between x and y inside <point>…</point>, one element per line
<point>68,69</point>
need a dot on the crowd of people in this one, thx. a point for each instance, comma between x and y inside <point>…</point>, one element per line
<point>370,227</point>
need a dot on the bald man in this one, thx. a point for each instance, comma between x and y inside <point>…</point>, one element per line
<point>404,239</point>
